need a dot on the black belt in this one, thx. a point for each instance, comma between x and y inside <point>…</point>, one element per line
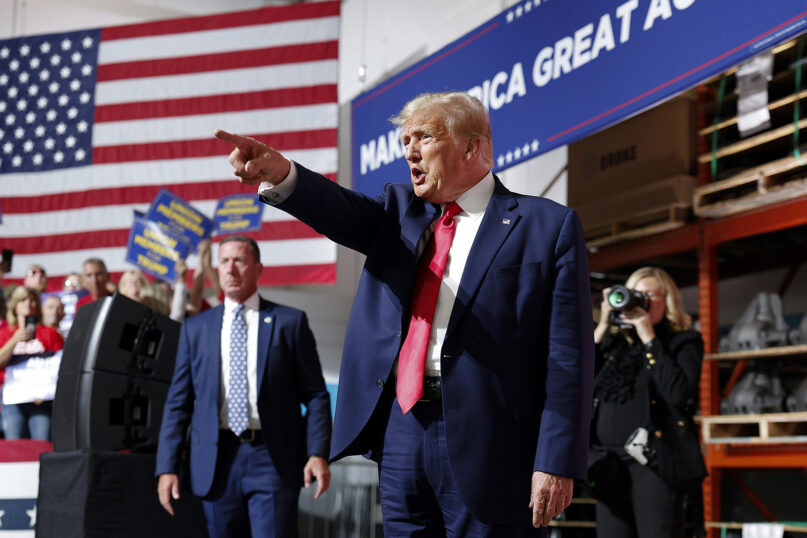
<point>432,391</point>
<point>247,436</point>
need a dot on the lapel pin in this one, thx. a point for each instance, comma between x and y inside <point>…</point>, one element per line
<point>505,221</point>
<point>267,319</point>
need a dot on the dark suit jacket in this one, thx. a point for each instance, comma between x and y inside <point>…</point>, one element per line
<point>289,374</point>
<point>517,359</point>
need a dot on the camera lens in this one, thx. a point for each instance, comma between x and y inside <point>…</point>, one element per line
<point>616,298</point>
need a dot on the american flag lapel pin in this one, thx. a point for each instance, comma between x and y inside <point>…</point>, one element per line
<point>505,221</point>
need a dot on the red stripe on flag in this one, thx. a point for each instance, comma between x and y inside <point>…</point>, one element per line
<point>211,104</point>
<point>139,194</point>
<point>298,274</point>
<point>214,22</point>
<point>270,231</point>
<point>206,147</point>
<point>308,52</point>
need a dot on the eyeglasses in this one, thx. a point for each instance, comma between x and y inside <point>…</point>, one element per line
<point>34,272</point>
<point>71,283</point>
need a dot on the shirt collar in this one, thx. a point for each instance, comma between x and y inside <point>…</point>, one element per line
<point>253,302</point>
<point>475,200</point>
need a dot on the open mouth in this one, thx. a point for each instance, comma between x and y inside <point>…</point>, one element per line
<point>418,175</point>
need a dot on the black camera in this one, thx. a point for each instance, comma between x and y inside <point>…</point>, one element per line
<point>622,298</point>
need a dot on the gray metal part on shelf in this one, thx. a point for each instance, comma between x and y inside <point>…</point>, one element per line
<point>762,325</point>
<point>803,330</point>
<point>797,401</point>
<point>760,390</point>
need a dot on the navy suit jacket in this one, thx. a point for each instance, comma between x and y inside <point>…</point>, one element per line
<point>289,374</point>
<point>517,360</point>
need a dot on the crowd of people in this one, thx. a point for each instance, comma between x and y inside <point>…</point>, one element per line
<point>35,320</point>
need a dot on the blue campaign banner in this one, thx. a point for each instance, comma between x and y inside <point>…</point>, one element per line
<point>551,71</point>
<point>156,250</point>
<point>177,216</point>
<point>238,213</point>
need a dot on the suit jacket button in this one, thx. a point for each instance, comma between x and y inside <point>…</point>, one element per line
<point>379,382</point>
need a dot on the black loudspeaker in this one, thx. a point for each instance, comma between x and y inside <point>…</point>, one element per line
<point>116,367</point>
<point>87,493</point>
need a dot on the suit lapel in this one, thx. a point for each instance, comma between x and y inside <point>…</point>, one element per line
<point>500,219</point>
<point>266,326</point>
<point>419,215</point>
<point>213,367</point>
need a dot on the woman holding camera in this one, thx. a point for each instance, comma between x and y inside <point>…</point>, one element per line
<point>645,463</point>
<point>25,338</point>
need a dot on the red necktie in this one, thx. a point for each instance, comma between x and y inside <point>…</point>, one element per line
<point>432,264</point>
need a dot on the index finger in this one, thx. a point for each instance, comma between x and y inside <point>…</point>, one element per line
<point>231,138</point>
<point>320,488</point>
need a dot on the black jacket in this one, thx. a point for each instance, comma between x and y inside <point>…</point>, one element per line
<point>653,386</point>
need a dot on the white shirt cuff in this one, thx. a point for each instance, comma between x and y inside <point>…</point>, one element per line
<point>277,194</point>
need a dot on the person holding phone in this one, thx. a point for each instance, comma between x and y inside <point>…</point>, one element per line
<point>25,338</point>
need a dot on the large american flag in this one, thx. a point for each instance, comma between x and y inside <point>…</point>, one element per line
<point>94,123</point>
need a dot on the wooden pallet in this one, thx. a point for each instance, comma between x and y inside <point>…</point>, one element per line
<point>771,428</point>
<point>765,184</point>
<point>799,351</point>
<point>639,225</point>
<point>788,527</point>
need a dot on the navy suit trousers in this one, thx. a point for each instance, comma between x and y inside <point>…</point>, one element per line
<point>419,495</point>
<point>248,498</point>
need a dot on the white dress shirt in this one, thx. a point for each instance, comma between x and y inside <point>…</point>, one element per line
<point>473,203</point>
<point>251,314</point>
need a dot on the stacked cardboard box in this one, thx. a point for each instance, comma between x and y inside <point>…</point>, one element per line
<point>612,173</point>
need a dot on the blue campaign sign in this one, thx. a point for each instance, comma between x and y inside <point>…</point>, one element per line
<point>551,72</point>
<point>238,213</point>
<point>177,216</point>
<point>156,250</point>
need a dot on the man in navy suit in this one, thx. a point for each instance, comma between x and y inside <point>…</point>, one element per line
<point>496,428</point>
<point>242,371</point>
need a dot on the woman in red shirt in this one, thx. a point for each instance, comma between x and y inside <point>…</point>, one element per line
<point>21,342</point>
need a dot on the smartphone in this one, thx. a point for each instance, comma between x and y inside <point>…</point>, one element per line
<point>30,323</point>
<point>8,254</point>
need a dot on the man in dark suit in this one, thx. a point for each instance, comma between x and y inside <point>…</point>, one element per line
<point>468,358</point>
<point>242,371</point>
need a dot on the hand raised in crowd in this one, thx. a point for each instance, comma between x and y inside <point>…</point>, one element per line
<point>253,161</point>
<point>205,259</point>
<point>551,494</point>
<point>181,269</point>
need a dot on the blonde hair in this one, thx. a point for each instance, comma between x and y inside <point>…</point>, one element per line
<point>464,117</point>
<point>155,296</point>
<point>137,275</point>
<point>673,311</point>
<point>20,293</point>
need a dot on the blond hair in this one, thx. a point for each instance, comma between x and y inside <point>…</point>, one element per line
<point>673,311</point>
<point>464,117</point>
<point>138,275</point>
<point>20,293</point>
<point>156,297</point>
